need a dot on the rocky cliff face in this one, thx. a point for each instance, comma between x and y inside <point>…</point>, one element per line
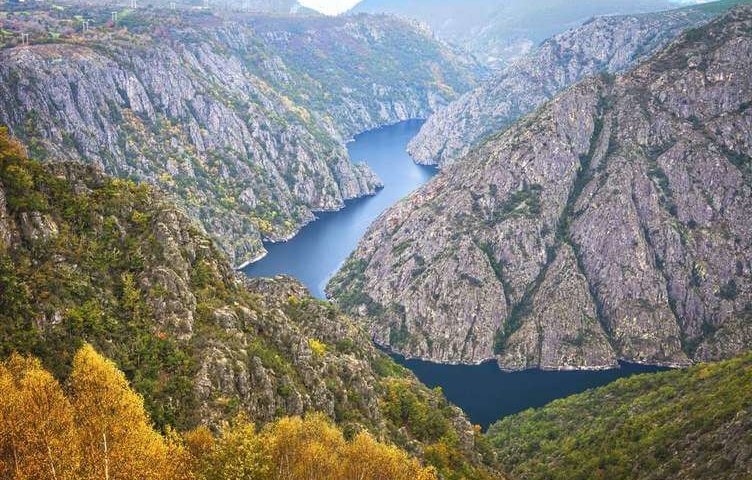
<point>242,120</point>
<point>611,224</point>
<point>609,44</point>
<point>84,257</point>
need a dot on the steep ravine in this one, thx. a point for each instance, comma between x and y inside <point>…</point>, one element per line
<point>242,120</point>
<point>612,224</point>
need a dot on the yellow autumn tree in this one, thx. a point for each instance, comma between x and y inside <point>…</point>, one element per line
<point>304,449</point>
<point>38,438</point>
<point>366,459</point>
<point>238,454</point>
<point>117,438</point>
<point>295,448</point>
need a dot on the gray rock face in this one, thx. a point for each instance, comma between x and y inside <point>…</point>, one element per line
<point>603,44</point>
<point>637,188</point>
<point>561,330</point>
<point>230,117</point>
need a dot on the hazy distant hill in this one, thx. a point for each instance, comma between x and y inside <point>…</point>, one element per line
<point>268,6</point>
<point>498,31</point>
<point>610,43</point>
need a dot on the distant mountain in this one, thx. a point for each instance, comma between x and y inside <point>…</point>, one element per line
<point>609,43</point>
<point>257,6</point>
<point>498,31</point>
<point>613,223</point>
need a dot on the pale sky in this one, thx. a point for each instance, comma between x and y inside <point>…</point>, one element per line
<point>330,7</point>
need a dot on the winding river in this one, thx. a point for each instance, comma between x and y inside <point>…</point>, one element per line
<point>316,253</point>
<point>483,391</point>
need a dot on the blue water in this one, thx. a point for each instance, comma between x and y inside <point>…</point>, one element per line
<point>317,252</point>
<point>487,394</point>
<point>484,392</point>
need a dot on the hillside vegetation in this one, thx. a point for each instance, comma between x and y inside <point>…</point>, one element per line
<point>682,424</point>
<point>88,258</point>
<point>96,428</point>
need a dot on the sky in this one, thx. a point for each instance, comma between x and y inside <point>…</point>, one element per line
<point>330,7</point>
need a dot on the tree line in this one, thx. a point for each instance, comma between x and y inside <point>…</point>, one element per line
<point>95,427</point>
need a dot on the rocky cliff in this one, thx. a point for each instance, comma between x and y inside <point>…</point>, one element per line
<point>612,224</point>
<point>610,44</point>
<point>242,119</point>
<point>84,257</point>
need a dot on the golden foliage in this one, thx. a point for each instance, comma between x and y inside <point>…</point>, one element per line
<point>100,430</point>
<point>114,428</point>
<point>37,431</point>
<point>295,448</point>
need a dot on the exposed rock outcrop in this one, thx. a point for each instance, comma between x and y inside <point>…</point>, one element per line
<point>645,177</point>
<point>561,330</point>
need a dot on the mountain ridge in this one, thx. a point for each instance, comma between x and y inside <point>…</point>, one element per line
<point>612,44</point>
<point>499,32</point>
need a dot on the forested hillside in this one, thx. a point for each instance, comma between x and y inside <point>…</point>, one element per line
<point>88,258</point>
<point>683,424</point>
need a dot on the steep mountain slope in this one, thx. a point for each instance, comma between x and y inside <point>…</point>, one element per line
<point>84,257</point>
<point>614,223</point>
<point>497,32</point>
<point>242,119</point>
<point>689,424</point>
<point>610,44</point>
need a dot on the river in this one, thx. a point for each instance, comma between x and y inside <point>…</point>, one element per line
<point>317,252</point>
<point>484,392</point>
